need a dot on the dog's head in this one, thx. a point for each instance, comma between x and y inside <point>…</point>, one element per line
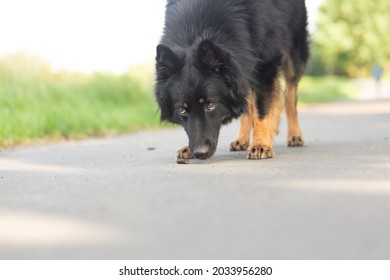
<point>199,88</point>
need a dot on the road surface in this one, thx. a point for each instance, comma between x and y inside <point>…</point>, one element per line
<point>125,198</point>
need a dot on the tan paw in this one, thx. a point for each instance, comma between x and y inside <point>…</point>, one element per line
<point>239,145</point>
<point>184,155</point>
<point>295,141</point>
<point>260,152</point>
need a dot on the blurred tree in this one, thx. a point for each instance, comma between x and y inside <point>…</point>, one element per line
<point>351,37</point>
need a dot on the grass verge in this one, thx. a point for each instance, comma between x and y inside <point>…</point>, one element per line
<point>37,103</point>
<point>325,89</point>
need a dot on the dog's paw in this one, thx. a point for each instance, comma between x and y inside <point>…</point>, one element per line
<point>260,152</point>
<point>295,141</point>
<point>239,145</point>
<point>184,153</point>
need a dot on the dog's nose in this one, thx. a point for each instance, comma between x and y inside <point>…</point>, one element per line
<point>201,152</point>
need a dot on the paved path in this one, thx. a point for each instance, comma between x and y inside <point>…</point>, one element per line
<point>125,197</point>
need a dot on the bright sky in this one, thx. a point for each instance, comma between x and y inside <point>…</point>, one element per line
<point>86,35</point>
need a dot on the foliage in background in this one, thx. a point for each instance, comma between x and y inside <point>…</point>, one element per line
<point>351,37</point>
<point>37,103</point>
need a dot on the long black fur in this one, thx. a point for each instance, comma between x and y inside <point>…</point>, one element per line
<point>219,50</point>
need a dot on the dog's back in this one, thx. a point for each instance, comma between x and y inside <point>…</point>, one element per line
<point>263,27</point>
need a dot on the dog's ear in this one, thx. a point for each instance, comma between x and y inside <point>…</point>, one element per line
<point>167,62</point>
<point>211,56</point>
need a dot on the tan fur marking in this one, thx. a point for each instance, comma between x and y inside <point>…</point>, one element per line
<point>294,135</point>
<point>288,69</point>
<point>243,138</point>
<point>184,153</point>
<point>265,129</point>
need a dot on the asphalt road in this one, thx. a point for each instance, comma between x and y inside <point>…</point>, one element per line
<point>126,198</point>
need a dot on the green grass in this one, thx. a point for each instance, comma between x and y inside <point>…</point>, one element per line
<point>325,89</point>
<point>37,103</point>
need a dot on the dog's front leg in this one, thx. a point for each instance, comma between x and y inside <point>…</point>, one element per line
<point>242,141</point>
<point>243,138</point>
<point>264,129</point>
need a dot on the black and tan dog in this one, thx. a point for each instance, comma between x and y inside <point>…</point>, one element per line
<point>222,59</point>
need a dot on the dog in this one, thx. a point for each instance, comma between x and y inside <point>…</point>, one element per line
<point>219,60</point>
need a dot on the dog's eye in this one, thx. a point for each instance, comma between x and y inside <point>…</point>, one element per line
<point>209,106</point>
<point>182,111</point>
